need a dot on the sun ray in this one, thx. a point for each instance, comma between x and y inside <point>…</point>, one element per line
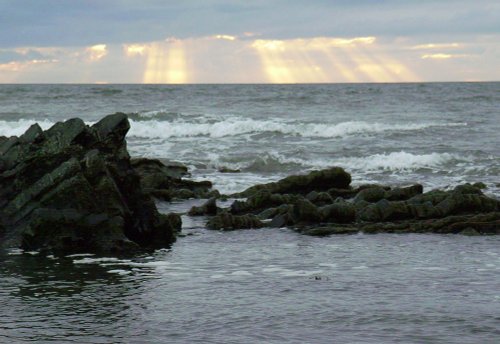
<point>166,63</point>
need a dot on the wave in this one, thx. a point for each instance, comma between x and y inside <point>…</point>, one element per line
<point>392,162</point>
<point>400,161</point>
<point>235,126</point>
<point>17,128</point>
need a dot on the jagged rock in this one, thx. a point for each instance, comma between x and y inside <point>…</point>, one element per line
<point>72,188</point>
<point>323,180</point>
<point>228,222</point>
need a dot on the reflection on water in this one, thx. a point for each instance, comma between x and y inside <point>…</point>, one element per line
<point>260,286</point>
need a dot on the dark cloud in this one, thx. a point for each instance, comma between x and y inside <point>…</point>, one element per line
<point>86,22</point>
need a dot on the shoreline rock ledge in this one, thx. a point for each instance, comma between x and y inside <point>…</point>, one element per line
<point>323,203</point>
<point>72,189</point>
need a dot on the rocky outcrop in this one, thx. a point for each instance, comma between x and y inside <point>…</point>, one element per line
<point>324,203</point>
<point>322,180</point>
<point>72,188</point>
<point>164,181</point>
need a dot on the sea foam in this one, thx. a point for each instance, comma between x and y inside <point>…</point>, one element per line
<point>234,126</point>
<point>17,128</point>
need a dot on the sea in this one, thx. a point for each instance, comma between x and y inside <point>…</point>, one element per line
<point>272,285</point>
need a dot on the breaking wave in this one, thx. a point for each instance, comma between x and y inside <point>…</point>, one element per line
<point>17,128</point>
<point>235,126</point>
<point>396,161</point>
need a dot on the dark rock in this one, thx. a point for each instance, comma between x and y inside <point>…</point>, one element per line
<point>164,181</point>
<point>261,200</point>
<point>272,212</point>
<point>319,198</point>
<point>480,185</point>
<point>208,208</point>
<point>145,166</point>
<point>322,180</point>
<point>371,194</point>
<point>403,194</point>
<point>228,222</point>
<point>72,189</point>
<point>340,212</point>
<point>280,221</point>
<point>303,211</point>
<point>228,170</point>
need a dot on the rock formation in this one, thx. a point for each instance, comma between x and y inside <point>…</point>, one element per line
<point>323,203</point>
<point>72,188</point>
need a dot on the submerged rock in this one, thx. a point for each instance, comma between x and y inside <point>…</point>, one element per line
<point>72,188</point>
<point>228,222</point>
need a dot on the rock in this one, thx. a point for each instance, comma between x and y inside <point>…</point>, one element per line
<point>228,170</point>
<point>319,198</point>
<point>165,182</point>
<point>272,212</point>
<point>228,222</point>
<point>259,201</point>
<point>72,188</point>
<point>208,208</point>
<point>340,212</point>
<point>371,194</point>
<point>403,194</point>
<point>303,211</point>
<point>480,185</point>
<point>322,180</point>
<point>145,166</point>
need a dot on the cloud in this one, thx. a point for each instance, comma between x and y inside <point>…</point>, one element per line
<point>441,56</point>
<point>227,58</point>
<point>82,23</point>
<point>96,52</point>
<point>434,46</point>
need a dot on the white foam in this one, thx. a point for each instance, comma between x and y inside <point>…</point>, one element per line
<point>232,126</point>
<point>17,128</point>
<point>77,255</point>
<point>120,272</point>
<point>88,260</point>
<point>398,161</point>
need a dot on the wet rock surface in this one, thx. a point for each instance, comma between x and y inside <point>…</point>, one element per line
<point>72,188</point>
<point>323,203</point>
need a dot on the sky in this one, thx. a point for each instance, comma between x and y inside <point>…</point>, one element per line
<point>258,41</point>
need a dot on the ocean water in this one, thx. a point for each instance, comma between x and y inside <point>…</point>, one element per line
<point>273,286</point>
